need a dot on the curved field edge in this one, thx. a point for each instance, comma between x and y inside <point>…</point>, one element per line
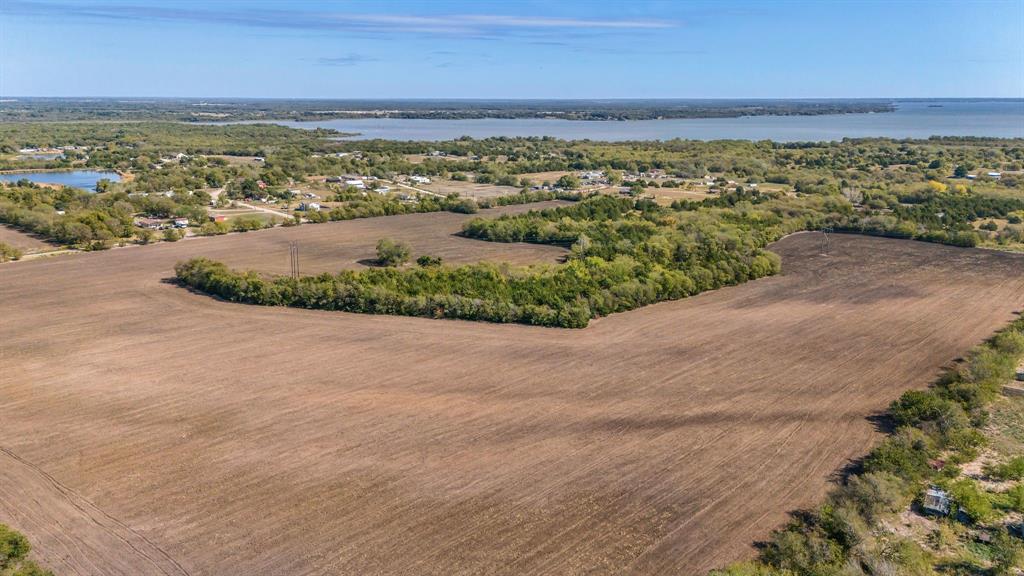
<point>937,433</point>
<point>290,441</point>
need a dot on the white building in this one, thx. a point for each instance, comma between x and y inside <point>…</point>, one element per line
<point>420,179</point>
<point>355,183</point>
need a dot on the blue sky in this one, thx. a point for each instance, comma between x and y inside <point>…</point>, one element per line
<point>510,49</point>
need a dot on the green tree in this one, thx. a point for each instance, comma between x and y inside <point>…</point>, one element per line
<point>14,549</point>
<point>569,182</point>
<point>8,252</point>
<point>392,252</point>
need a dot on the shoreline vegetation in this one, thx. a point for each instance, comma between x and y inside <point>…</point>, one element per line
<point>235,110</point>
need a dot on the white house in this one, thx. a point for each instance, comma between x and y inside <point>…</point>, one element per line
<point>355,183</point>
<point>996,175</point>
<point>420,179</point>
<point>181,222</point>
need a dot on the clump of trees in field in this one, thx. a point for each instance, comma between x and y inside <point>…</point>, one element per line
<point>392,252</point>
<point>841,536</point>
<point>14,549</point>
<point>621,259</point>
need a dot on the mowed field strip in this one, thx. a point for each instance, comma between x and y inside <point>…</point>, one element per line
<point>151,430</point>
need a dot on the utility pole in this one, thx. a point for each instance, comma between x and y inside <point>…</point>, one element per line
<point>293,254</point>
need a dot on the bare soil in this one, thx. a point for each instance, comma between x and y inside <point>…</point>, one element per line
<point>466,189</point>
<point>147,429</point>
<point>27,243</point>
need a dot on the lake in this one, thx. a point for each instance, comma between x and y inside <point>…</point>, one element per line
<point>912,119</point>
<point>84,179</point>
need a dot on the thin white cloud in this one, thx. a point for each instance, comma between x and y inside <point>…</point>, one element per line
<point>253,16</point>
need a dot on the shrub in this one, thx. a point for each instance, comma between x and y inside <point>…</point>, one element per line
<point>8,252</point>
<point>872,493</point>
<point>971,500</point>
<point>392,253</point>
<point>1007,553</point>
<point>927,410</point>
<point>905,455</point>
<point>14,549</point>
<point>172,235</point>
<point>426,260</point>
<point>1010,470</point>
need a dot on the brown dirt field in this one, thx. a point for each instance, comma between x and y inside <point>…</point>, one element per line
<point>150,430</point>
<point>465,189</point>
<point>26,242</point>
<point>541,177</point>
<point>666,196</point>
<point>331,246</point>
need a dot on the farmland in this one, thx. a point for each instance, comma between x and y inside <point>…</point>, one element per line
<point>167,432</point>
<point>22,241</point>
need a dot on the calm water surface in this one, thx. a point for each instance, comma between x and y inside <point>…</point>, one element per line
<point>84,179</point>
<point>1003,119</point>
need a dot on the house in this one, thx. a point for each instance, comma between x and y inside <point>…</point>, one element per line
<point>181,222</point>
<point>936,501</point>
<point>149,223</point>
<point>420,179</point>
<point>995,175</point>
<point>218,218</point>
<point>383,189</point>
<point>309,207</point>
<point>972,176</point>
<point>333,179</point>
<point>355,183</point>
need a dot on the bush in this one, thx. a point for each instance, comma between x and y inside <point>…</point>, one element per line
<point>392,253</point>
<point>14,549</point>
<point>971,500</point>
<point>927,410</point>
<point>1010,470</point>
<point>1007,553</point>
<point>428,260</point>
<point>173,235</point>
<point>8,252</point>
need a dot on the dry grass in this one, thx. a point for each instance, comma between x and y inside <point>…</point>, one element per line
<point>143,422</point>
<point>465,189</point>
